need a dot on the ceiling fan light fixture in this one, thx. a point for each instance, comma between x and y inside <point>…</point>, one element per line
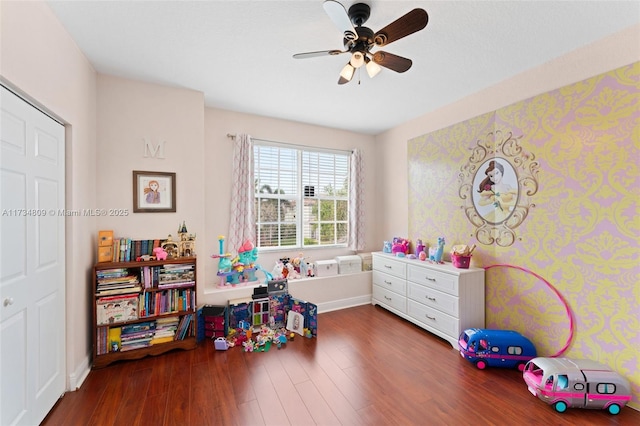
<point>372,68</point>
<point>347,72</point>
<point>359,40</point>
<point>357,59</point>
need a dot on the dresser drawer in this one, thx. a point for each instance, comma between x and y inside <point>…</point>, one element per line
<point>433,298</point>
<point>441,281</point>
<point>433,318</point>
<point>390,298</point>
<point>395,284</point>
<point>389,265</point>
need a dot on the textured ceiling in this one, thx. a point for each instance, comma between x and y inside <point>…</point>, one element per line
<point>239,53</point>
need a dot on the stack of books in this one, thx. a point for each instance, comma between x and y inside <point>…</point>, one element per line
<point>176,275</point>
<point>116,281</point>
<point>135,336</point>
<point>165,330</point>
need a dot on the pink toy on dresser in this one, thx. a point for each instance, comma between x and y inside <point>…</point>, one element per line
<point>400,245</point>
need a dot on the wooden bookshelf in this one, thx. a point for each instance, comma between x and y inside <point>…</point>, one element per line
<point>142,309</point>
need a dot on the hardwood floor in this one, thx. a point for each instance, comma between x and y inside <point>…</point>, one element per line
<point>366,367</point>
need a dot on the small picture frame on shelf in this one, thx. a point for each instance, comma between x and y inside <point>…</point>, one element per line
<point>154,192</point>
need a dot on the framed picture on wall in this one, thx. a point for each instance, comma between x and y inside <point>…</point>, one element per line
<point>154,192</point>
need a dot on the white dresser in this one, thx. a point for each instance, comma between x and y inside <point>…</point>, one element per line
<point>440,298</point>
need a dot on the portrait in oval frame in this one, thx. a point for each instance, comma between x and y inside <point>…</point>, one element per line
<point>497,185</point>
<point>496,190</point>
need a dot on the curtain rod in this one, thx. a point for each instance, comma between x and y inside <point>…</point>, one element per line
<point>232,136</point>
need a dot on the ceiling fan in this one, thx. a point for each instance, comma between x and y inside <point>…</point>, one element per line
<point>359,40</point>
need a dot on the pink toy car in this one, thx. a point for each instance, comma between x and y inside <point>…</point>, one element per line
<point>577,383</point>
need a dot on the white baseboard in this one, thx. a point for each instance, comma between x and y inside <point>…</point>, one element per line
<point>335,305</point>
<point>80,374</point>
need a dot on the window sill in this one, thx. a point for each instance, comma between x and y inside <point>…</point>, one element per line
<point>217,289</point>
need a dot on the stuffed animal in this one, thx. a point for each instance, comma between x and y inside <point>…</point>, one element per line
<point>278,270</point>
<point>291,274</point>
<point>311,269</point>
<point>435,254</point>
<point>159,253</point>
<point>400,245</point>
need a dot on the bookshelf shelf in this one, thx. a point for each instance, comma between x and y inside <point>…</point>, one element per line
<point>134,317</point>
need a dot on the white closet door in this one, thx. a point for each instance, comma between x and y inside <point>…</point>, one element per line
<point>32,261</point>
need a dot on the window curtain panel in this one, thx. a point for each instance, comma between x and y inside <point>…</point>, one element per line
<point>242,222</point>
<point>356,202</point>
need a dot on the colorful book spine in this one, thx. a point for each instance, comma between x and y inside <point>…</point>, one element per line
<point>116,249</point>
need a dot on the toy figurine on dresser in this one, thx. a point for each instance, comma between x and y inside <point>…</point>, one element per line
<point>435,253</point>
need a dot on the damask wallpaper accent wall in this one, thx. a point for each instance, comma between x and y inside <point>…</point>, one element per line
<point>575,152</point>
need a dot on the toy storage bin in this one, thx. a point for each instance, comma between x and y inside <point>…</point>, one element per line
<point>367,261</point>
<point>461,262</point>
<point>326,268</point>
<point>215,321</point>
<point>349,264</point>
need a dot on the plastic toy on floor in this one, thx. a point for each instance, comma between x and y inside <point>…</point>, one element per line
<point>576,383</point>
<point>496,348</point>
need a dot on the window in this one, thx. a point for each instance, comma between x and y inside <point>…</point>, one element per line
<point>483,345</point>
<point>514,350</point>
<point>606,388</point>
<point>563,381</point>
<point>301,196</point>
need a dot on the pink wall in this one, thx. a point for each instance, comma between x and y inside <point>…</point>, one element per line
<point>40,59</point>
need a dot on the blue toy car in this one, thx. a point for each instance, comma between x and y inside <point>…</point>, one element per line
<point>496,348</point>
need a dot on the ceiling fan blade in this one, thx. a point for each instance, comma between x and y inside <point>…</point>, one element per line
<point>407,24</point>
<point>338,14</point>
<point>318,53</point>
<point>391,61</point>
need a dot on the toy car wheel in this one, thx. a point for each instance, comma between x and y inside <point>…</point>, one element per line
<point>520,366</point>
<point>481,365</point>
<point>560,406</point>
<point>614,409</point>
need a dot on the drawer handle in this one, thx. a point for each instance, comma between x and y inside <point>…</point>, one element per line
<point>431,318</point>
<point>388,282</point>
<point>433,299</point>
<point>387,266</point>
<point>388,298</point>
<point>431,279</point>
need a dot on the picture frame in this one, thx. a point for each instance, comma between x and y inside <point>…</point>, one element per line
<point>154,192</point>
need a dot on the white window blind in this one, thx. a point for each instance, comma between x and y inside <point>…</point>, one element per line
<point>301,196</point>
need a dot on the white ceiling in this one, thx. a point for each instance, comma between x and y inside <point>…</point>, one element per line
<point>239,53</point>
